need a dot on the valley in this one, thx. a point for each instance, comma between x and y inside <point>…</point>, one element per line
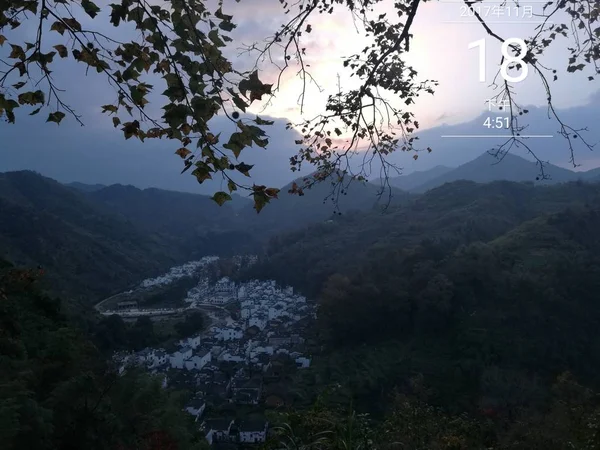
<point>439,304</point>
<point>240,362</point>
<point>308,225</point>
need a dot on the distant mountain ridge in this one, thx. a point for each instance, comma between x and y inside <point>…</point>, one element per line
<point>321,202</point>
<point>414,179</point>
<point>487,168</point>
<point>85,251</point>
<point>83,187</point>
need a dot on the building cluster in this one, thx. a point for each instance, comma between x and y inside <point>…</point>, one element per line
<point>221,293</point>
<point>237,362</point>
<point>186,270</point>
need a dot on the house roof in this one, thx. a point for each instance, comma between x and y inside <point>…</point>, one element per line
<point>218,424</point>
<point>250,425</point>
<point>202,352</point>
<point>195,403</point>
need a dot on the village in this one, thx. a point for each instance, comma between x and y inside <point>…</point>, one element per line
<point>235,369</point>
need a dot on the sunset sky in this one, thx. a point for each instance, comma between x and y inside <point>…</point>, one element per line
<point>97,152</point>
<point>439,51</point>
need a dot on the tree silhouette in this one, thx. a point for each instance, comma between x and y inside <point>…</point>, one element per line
<point>188,43</point>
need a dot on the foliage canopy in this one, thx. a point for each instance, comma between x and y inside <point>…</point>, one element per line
<point>188,44</point>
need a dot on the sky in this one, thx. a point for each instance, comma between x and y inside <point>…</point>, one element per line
<point>97,153</point>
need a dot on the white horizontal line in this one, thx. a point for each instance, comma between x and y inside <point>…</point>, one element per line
<point>497,136</point>
<point>513,22</point>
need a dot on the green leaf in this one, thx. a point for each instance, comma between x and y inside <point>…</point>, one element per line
<point>221,197</point>
<point>130,129</point>
<point>31,98</point>
<point>46,58</point>
<point>62,50</point>
<point>262,143</point>
<point>237,142</point>
<point>213,35</point>
<point>241,104</point>
<point>244,168</point>
<point>72,23</point>
<point>256,87</point>
<point>35,111</point>
<point>202,172</point>
<point>55,117</point>
<point>260,121</point>
<point>109,108</point>
<point>90,8</point>
<point>219,15</point>
<point>231,186</point>
<point>227,26</point>
<point>17,52</point>
<point>59,27</point>
<point>260,200</point>
<point>2,40</point>
<point>183,152</point>
<point>272,192</point>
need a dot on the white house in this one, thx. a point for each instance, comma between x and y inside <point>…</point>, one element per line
<point>258,321</point>
<point>198,361</point>
<point>192,342</point>
<point>253,431</point>
<point>144,356</point>
<point>217,429</point>
<point>157,359</point>
<point>227,356</point>
<point>230,334</point>
<point>180,356</point>
<point>225,286</point>
<point>303,362</point>
<point>196,407</point>
<point>268,350</point>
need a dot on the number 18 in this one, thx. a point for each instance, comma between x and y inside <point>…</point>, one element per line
<point>508,59</point>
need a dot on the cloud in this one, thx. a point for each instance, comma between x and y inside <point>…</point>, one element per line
<point>98,153</point>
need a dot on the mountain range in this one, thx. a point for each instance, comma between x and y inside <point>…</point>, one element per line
<point>98,153</point>
<point>487,168</point>
<point>95,239</point>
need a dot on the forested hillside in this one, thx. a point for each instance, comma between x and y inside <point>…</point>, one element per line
<point>86,251</point>
<point>193,224</point>
<point>459,319</point>
<point>456,213</point>
<point>95,240</point>
<point>58,392</point>
<point>487,291</point>
<point>332,197</point>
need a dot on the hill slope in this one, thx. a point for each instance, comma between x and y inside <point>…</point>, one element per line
<point>456,213</point>
<point>319,203</point>
<point>83,187</point>
<point>415,179</point>
<point>194,224</point>
<point>487,291</point>
<point>486,168</point>
<point>84,250</point>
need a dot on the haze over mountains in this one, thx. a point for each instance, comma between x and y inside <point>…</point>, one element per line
<point>487,168</point>
<point>121,233</point>
<point>452,152</point>
<point>98,154</point>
